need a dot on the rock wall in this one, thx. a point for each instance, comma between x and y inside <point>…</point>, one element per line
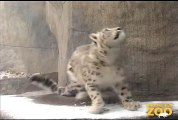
<point>26,42</point>
<point>29,29</point>
<point>152,39</point>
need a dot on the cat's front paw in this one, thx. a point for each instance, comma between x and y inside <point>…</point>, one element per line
<point>133,105</point>
<point>97,110</point>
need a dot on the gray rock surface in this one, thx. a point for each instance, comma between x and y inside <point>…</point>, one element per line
<point>151,46</point>
<point>26,42</point>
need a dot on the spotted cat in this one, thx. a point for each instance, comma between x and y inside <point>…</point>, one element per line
<point>94,67</point>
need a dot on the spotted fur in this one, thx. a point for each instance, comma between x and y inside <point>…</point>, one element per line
<point>98,66</point>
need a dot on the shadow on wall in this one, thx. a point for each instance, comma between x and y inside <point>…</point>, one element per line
<point>26,42</point>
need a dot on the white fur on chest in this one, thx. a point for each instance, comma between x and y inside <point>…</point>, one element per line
<point>109,76</point>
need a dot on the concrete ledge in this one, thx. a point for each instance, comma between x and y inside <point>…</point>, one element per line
<point>12,86</point>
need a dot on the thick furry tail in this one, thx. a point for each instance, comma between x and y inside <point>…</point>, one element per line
<point>48,84</point>
<point>44,83</point>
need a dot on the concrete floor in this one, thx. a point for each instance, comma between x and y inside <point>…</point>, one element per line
<point>21,100</point>
<point>44,105</point>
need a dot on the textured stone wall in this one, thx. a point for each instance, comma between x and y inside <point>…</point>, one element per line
<point>58,15</point>
<point>26,42</point>
<point>152,39</point>
<point>151,46</point>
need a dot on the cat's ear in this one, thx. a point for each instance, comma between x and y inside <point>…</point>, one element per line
<point>93,36</point>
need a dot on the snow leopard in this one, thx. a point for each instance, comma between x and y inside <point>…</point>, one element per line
<point>94,67</point>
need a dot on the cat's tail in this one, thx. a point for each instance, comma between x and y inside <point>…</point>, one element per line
<point>45,83</point>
